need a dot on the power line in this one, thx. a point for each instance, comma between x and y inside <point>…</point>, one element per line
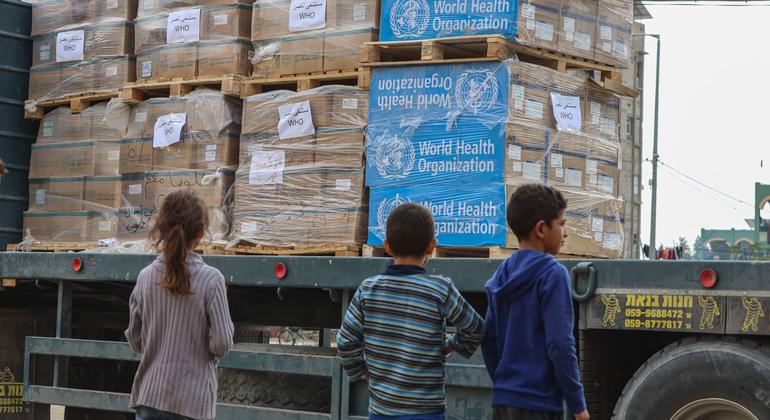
<point>743,213</point>
<point>703,184</point>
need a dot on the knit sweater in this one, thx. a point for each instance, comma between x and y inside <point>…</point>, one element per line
<point>179,337</point>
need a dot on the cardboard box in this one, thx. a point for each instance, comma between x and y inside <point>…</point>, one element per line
<point>225,22</point>
<point>101,225</point>
<point>57,80</point>
<point>56,226</point>
<point>601,113</point>
<point>143,116</point>
<point>65,194</point>
<point>212,187</point>
<point>98,121</point>
<point>103,193</point>
<point>260,112</point>
<point>531,95</point>
<point>294,229</point>
<point>209,110</point>
<point>594,226</point>
<point>49,16</point>
<point>135,155</point>
<point>174,157</point>
<point>336,149</point>
<point>347,107</point>
<point>177,61</point>
<point>577,29</point>
<point>270,20</point>
<point>526,149</point>
<point>215,152</point>
<point>216,58</point>
<point>150,32</point>
<point>356,14</point>
<point>288,55</point>
<point>538,23</point>
<point>343,189</point>
<point>111,73</point>
<point>84,158</point>
<point>341,48</point>
<point>43,80</point>
<point>108,38</point>
<point>62,126</point>
<point>613,32</point>
<point>133,191</point>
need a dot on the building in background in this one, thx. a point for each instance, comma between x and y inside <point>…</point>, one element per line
<point>631,114</point>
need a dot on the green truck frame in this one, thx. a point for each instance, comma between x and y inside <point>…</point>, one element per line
<point>657,339</point>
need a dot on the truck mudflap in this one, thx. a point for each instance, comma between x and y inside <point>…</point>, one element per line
<point>692,311</point>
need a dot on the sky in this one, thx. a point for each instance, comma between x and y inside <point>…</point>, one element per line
<point>714,82</point>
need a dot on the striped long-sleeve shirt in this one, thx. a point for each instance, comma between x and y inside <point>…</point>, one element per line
<point>394,331</point>
<point>179,338</point>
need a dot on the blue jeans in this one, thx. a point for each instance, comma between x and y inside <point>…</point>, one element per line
<point>431,416</point>
<point>148,413</point>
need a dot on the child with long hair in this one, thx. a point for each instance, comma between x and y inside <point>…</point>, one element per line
<point>179,319</point>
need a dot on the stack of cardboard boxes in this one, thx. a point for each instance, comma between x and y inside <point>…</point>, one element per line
<point>310,36</point>
<point>300,182</point>
<point>186,40</point>
<point>202,157</point>
<point>460,138</point>
<point>74,189</point>
<point>81,46</point>
<point>592,29</point>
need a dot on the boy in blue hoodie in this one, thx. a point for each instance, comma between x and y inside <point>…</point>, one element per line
<point>529,349</point>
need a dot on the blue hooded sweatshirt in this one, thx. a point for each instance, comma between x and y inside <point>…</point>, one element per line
<point>529,349</point>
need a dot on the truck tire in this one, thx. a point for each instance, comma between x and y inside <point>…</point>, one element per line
<point>275,390</point>
<point>700,378</point>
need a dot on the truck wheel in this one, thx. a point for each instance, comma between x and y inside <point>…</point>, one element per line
<point>700,378</point>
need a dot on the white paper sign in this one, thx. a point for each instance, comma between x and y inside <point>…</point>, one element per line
<point>597,224</point>
<point>607,47</point>
<point>140,117</point>
<point>359,12</point>
<point>591,166</point>
<point>517,167</point>
<point>592,179</point>
<point>598,237</point>
<point>47,128</point>
<point>533,109</point>
<point>135,189</point>
<point>528,11</point>
<point>531,24</point>
<point>210,154</point>
<point>559,173</point>
<point>583,41</point>
<point>168,129</point>
<point>248,227</point>
<point>573,177</point>
<point>606,183</point>
<point>556,160</point>
<point>147,69</point>
<point>45,52</point>
<point>531,171</point>
<point>517,93</point>
<point>606,32</point>
<point>305,15</point>
<point>111,71</point>
<point>40,197</point>
<point>611,241</point>
<point>343,185</point>
<point>220,20</point>
<point>608,126</point>
<point>295,120</point>
<point>569,28</point>
<point>105,226</point>
<point>267,167</point>
<point>620,49</point>
<point>113,155</point>
<point>112,4</point>
<point>544,31</point>
<point>514,152</point>
<point>349,103</point>
<point>69,46</point>
<point>566,109</point>
<point>183,26</point>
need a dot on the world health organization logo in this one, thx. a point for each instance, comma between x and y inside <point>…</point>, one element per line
<point>387,205</point>
<point>409,18</point>
<point>476,90</point>
<point>394,157</point>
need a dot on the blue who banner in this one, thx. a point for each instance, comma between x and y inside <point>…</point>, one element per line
<point>437,124</point>
<point>403,20</point>
<point>465,216</point>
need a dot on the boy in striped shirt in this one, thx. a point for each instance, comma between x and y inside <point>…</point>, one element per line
<point>394,331</point>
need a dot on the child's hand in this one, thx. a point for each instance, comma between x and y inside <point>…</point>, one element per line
<point>582,415</point>
<point>365,377</point>
<point>448,350</point>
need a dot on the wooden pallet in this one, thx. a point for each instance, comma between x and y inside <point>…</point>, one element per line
<point>35,109</point>
<point>334,250</point>
<point>299,82</point>
<point>475,48</point>
<point>138,91</point>
<point>52,246</point>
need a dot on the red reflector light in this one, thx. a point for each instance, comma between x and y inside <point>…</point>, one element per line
<point>77,264</point>
<point>708,278</point>
<point>280,271</point>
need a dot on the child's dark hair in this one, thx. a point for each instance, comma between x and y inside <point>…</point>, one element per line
<point>531,203</point>
<point>410,230</point>
<point>182,220</point>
